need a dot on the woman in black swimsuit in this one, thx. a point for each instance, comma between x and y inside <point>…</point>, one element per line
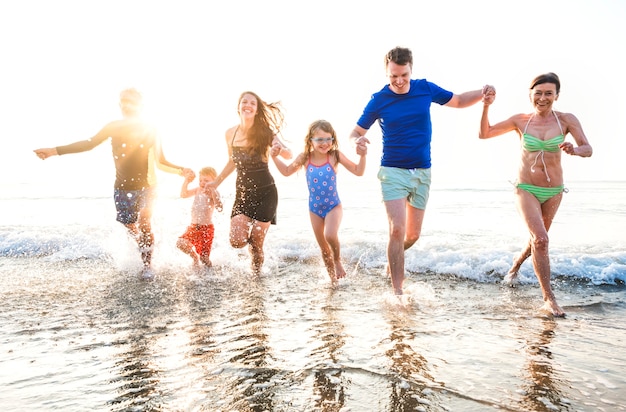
<point>256,197</point>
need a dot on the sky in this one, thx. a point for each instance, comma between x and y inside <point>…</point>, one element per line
<point>64,63</point>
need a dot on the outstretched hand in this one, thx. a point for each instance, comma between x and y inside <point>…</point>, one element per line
<point>43,154</point>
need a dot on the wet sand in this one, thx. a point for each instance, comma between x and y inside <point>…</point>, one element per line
<point>85,335</point>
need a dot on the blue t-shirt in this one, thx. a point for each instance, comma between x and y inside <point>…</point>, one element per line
<point>405,122</point>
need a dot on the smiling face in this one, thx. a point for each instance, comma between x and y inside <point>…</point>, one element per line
<point>543,96</point>
<point>399,77</point>
<point>248,105</point>
<point>322,141</point>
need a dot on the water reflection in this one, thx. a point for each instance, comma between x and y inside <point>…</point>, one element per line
<point>133,311</point>
<point>541,390</point>
<point>251,387</point>
<point>329,386</point>
<point>411,387</point>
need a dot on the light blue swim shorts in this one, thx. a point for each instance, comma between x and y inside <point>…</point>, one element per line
<point>410,184</point>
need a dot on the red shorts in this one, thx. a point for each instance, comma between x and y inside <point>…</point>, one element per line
<point>201,237</point>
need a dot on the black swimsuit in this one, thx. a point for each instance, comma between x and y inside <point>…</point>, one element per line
<point>256,195</point>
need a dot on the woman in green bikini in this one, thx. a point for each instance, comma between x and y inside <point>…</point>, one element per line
<point>539,186</point>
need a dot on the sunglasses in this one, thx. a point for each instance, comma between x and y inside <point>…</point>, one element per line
<point>322,139</point>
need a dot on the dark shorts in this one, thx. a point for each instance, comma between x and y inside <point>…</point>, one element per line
<point>201,237</point>
<point>129,203</point>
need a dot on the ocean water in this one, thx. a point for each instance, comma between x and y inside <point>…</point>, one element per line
<point>80,330</point>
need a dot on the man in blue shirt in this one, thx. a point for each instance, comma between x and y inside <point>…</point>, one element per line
<point>402,109</point>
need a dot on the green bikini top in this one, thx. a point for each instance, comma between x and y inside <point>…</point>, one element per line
<point>533,144</point>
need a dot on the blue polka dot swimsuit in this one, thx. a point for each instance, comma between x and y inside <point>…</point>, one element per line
<point>322,183</point>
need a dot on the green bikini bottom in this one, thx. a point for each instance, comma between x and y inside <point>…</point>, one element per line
<point>541,193</point>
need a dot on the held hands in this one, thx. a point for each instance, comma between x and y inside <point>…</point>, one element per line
<point>188,174</point>
<point>361,149</point>
<point>361,145</point>
<point>489,94</point>
<point>276,149</point>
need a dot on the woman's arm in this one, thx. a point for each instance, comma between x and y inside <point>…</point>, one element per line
<point>288,170</point>
<point>280,149</point>
<point>573,127</point>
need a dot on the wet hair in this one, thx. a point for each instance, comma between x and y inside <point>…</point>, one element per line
<point>268,121</point>
<point>208,171</point>
<point>400,56</point>
<point>324,126</point>
<point>546,78</point>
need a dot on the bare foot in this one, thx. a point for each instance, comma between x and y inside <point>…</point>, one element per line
<point>340,272</point>
<point>552,307</point>
<point>147,273</point>
<point>511,278</point>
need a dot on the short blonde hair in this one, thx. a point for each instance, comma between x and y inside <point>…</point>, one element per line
<point>208,171</point>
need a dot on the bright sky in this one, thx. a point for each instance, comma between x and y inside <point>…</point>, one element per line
<point>64,63</point>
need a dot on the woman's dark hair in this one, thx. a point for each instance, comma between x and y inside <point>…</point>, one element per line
<point>268,122</point>
<point>546,78</point>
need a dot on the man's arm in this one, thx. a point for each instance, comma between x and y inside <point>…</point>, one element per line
<point>470,98</point>
<point>76,147</point>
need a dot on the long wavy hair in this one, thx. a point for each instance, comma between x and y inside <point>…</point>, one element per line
<point>324,126</point>
<point>268,121</point>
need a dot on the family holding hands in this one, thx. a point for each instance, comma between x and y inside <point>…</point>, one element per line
<point>402,109</point>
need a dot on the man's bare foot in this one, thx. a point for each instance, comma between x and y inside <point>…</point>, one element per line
<point>511,278</point>
<point>552,307</point>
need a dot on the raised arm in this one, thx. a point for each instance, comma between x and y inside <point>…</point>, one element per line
<point>184,190</point>
<point>356,168</point>
<point>486,129</point>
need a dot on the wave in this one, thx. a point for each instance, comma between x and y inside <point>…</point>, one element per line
<point>468,260</point>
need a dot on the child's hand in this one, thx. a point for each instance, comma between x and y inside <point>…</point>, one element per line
<point>361,149</point>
